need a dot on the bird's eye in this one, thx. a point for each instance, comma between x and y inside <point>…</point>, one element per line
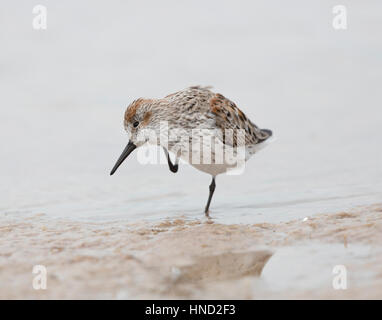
<point>136,124</point>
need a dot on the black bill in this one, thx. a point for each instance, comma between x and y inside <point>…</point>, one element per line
<point>129,149</point>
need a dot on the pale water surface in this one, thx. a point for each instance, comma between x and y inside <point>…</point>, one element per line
<point>64,92</point>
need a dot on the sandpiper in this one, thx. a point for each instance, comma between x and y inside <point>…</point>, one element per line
<point>195,109</point>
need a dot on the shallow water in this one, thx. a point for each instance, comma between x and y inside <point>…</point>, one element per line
<point>183,259</point>
<point>64,91</point>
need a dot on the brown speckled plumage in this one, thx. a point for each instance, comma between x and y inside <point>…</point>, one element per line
<point>197,119</point>
<point>190,107</point>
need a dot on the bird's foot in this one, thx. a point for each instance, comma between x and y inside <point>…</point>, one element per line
<point>174,168</point>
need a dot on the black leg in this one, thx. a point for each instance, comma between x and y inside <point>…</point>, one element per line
<point>212,189</point>
<point>173,167</point>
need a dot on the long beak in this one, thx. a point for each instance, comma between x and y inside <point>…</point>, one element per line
<point>129,149</point>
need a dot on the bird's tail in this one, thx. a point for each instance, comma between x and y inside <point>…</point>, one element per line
<point>269,138</point>
<point>267,132</point>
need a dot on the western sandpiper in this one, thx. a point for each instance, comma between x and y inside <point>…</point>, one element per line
<point>201,119</point>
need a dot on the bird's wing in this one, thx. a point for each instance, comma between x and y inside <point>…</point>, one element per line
<point>229,117</point>
<point>225,115</point>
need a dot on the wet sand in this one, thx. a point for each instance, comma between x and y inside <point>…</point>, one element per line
<point>198,259</point>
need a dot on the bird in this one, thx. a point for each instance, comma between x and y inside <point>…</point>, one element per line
<point>202,119</point>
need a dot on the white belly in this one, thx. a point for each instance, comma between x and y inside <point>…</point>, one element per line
<point>208,154</point>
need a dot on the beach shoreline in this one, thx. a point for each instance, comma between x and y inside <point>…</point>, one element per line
<point>192,259</point>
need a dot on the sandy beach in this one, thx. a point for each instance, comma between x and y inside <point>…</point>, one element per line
<point>196,259</point>
<point>306,205</point>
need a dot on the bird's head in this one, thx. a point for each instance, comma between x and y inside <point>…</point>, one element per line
<point>140,118</point>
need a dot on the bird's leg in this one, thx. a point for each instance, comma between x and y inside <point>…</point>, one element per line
<point>212,189</point>
<point>172,167</point>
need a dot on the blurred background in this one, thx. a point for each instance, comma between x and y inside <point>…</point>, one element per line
<point>64,91</point>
